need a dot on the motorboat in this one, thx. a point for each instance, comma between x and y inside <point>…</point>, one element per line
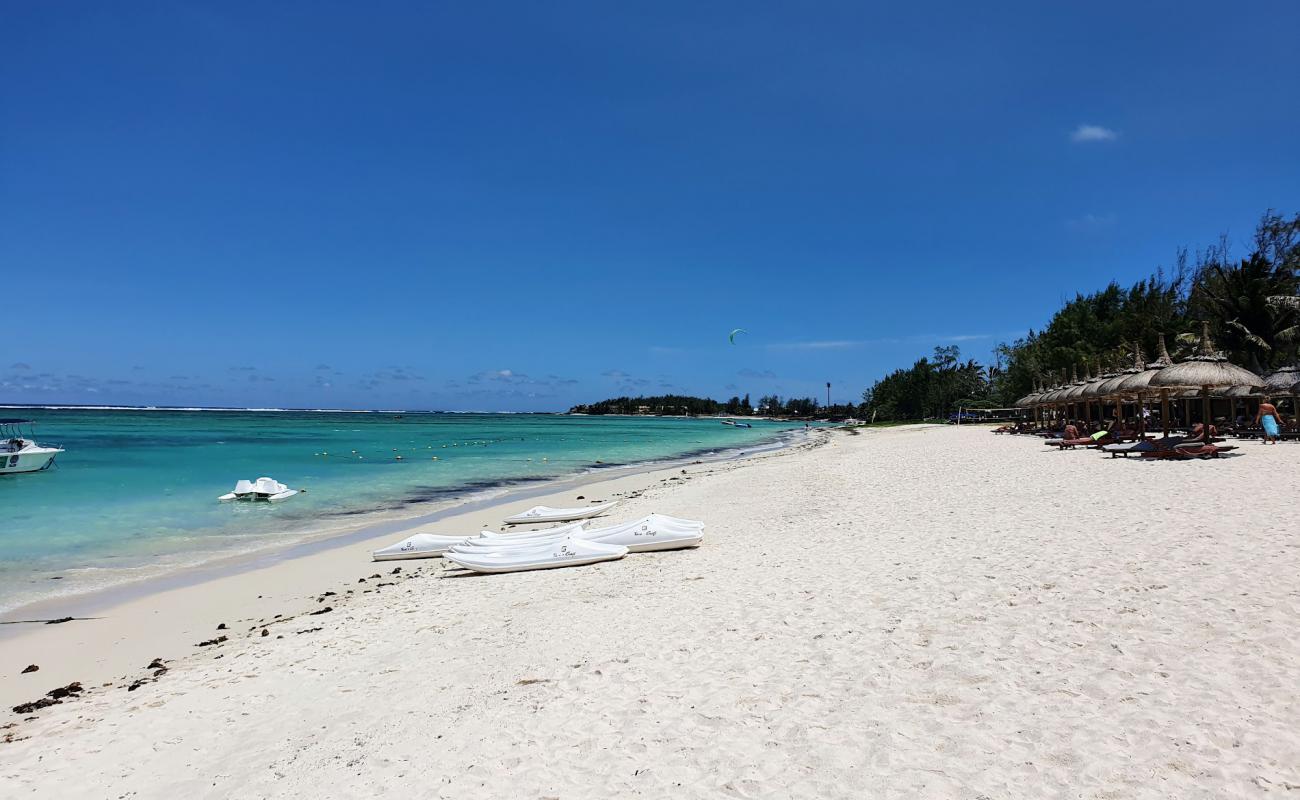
<point>564,552</point>
<point>19,451</point>
<point>644,535</point>
<point>263,489</point>
<point>549,514</point>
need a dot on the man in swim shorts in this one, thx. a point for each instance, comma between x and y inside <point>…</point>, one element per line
<point>1270,419</point>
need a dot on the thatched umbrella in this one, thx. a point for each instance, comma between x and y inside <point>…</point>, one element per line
<point>1091,391</point>
<point>1140,384</point>
<point>1028,401</point>
<point>1206,370</point>
<point>1048,398</point>
<point>1110,388</point>
<point>1056,397</point>
<point>1025,401</point>
<point>1074,394</point>
<point>1051,396</point>
<point>1236,394</point>
<point>1032,401</point>
<point>1239,392</point>
<point>1283,382</point>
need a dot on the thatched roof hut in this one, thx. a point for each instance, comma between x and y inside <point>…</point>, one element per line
<point>1283,380</point>
<point>1075,393</point>
<point>1207,369</point>
<point>1093,390</point>
<point>1031,398</point>
<point>1240,392</point>
<point>1057,395</point>
<point>1141,382</point>
<point>1111,387</point>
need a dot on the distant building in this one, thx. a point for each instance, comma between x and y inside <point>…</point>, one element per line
<point>643,409</point>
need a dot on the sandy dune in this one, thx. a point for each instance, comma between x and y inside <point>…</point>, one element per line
<point>928,612</point>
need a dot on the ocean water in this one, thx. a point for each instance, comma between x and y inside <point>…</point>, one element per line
<point>136,492</point>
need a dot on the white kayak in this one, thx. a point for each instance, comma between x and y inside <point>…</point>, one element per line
<point>549,514</point>
<point>263,489</point>
<point>679,522</point>
<point>564,552</point>
<point>653,532</point>
<point>421,545</point>
<point>433,545</point>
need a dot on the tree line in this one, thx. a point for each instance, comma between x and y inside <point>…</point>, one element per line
<point>1250,303</point>
<point>931,387</point>
<point>771,405</point>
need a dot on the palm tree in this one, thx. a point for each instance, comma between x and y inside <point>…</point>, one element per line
<point>1255,329</point>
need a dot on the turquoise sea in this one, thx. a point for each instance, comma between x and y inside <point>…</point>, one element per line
<point>136,492</point>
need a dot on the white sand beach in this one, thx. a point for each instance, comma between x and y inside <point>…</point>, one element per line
<point>910,612</point>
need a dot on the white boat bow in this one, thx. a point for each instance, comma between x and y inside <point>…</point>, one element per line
<point>421,545</point>
<point>19,452</point>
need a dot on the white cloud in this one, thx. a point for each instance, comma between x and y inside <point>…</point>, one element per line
<point>1092,222</point>
<point>1093,133</point>
<point>831,344</point>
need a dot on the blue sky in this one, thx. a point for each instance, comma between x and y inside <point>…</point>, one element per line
<point>527,205</point>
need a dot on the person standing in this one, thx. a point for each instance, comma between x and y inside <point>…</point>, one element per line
<point>1270,419</point>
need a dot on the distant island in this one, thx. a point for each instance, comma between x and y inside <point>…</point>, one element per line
<point>685,405</point>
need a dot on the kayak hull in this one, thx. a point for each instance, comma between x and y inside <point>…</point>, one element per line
<point>563,553</point>
<point>256,497</point>
<point>549,514</point>
<point>640,536</point>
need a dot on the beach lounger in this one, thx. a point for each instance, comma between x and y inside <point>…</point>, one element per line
<point>1141,446</point>
<point>1068,444</point>
<point>1083,441</point>
<point>1191,450</point>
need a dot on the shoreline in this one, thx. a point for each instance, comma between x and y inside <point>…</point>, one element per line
<point>173,607</point>
<point>337,529</point>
